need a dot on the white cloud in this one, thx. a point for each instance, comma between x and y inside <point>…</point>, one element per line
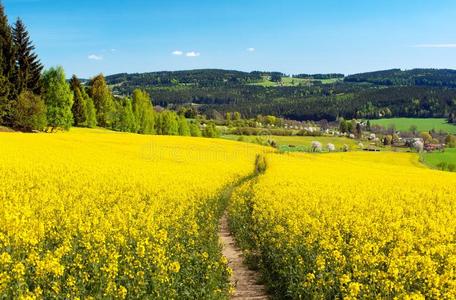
<point>251,49</point>
<point>95,57</point>
<point>113,50</point>
<point>177,52</point>
<point>192,54</point>
<point>435,46</point>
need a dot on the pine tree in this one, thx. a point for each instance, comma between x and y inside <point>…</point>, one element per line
<point>79,108</point>
<point>28,66</point>
<point>7,65</point>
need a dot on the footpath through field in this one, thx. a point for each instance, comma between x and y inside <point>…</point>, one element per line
<point>244,281</point>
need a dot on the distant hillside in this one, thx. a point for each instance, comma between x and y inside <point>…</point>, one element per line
<point>202,77</point>
<point>389,93</point>
<point>415,77</point>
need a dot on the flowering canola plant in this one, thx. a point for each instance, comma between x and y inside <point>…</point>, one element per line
<point>96,214</point>
<point>350,226</point>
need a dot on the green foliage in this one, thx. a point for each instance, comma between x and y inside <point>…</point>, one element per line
<point>416,124</point>
<point>144,112</point>
<point>28,67</point>
<point>184,128</point>
<point>6,103</point>
<point>103,100</point>
<point>167,123</point>
<point>427,138</point>
<point>276,77</point>
<point>442,165</point>
<point>343,126</point>
<point>261,164</point>
<point>320,76</point>
<point>30,112</point>
<point>451,167</point>
<point>450,141</point>
<point>124,118</point>
<point>7,68</point>
<point>79,108</point>
<point>310,101</point>
<point>437,159</point>
<point>228,117</point>
<point>91,113</point>
<point>414,77</point>
<point>211,130</point>
<point>58,98</point>
<point>195,129</point>
<point>452,118</point>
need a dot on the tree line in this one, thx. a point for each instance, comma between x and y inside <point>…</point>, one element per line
<point>415,77</point>
<point>33,99</point>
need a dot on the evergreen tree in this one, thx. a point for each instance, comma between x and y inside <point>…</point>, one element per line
<point>144,112</point>
<point>184,129</point>
<point>102,100</point>
<point>79,108</point>
<point>7,64</point>
<point>28,67</point>
<point>359,130</point>
<point>91,112</point>
<point>452,118</point>
<point>58,98</point>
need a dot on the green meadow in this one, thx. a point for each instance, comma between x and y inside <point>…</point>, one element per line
<point>422,124</point>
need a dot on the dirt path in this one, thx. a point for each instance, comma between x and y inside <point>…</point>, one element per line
<point>244,281</point>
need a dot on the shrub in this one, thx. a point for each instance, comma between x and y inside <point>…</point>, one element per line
<point>442,165</point>
<point>316,146</point>
<point>450,141</point>
<point>30,112</point>
<point>261,164</point>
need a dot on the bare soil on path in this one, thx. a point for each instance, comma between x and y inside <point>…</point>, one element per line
<point>244,280</point>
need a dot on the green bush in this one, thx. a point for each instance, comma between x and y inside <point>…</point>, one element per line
<point>30,112</point>
<point>261,164</point>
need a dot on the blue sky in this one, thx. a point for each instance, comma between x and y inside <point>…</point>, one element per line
<point>293,36</point>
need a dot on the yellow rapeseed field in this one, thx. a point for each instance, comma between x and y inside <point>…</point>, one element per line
<point>96,214</point>
<point>350,225</point>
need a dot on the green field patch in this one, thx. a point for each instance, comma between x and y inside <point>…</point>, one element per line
<point>422,124</point>
<point>297,143</point>
<point>441,160</point>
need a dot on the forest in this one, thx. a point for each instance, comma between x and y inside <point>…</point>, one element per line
<point>391,93</point>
